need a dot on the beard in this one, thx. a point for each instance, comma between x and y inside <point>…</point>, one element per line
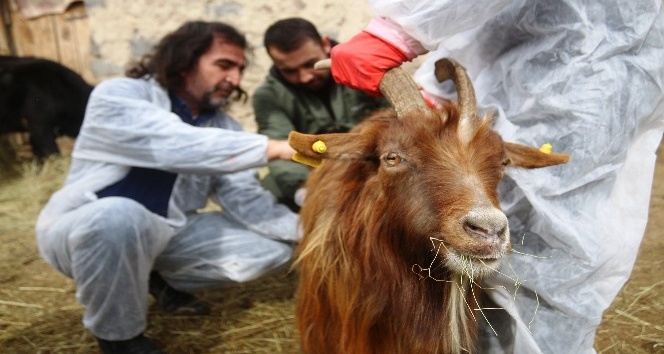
<point>314,85</point>
<point>211,99</point>
<point>317,83</point>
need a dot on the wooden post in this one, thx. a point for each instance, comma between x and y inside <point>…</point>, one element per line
<point>7,45</point>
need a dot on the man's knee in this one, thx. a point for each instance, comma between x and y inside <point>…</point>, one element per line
<point>273,257</point>
<point>115,223</point>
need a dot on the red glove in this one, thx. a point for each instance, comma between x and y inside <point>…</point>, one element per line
<point>361,62</point>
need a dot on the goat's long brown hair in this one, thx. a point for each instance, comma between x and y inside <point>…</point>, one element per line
<point>399,219</point>
<point>357,260</point>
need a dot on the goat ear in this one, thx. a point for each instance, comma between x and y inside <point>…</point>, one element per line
<point>312,149</point>
<point>529,157</point>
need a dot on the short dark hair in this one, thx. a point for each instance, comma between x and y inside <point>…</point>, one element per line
<point>289,34</point>
<point>180,50</point>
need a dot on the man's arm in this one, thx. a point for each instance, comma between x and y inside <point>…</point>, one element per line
<point>123,126</point>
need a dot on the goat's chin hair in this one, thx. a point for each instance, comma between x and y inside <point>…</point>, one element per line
<point>472,268</point>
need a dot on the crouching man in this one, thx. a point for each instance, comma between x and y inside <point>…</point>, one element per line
<point>153,149</point>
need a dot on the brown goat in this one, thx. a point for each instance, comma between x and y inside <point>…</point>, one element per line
<point>400,218</point>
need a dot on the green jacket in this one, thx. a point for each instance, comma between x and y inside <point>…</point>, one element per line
<point>281,108</point>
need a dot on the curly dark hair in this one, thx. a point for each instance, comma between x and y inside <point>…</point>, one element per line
<point>180,50</point>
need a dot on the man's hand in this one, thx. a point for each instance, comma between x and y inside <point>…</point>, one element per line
<point>279,150</point>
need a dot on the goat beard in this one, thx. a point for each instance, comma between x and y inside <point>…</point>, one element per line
<point>474,268</point>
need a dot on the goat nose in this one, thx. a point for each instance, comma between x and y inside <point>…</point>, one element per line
<point>486,223</point>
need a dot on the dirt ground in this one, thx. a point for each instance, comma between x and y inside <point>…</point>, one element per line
<point>38,312</point>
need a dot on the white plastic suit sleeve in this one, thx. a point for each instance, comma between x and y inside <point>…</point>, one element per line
<point>122,126</point>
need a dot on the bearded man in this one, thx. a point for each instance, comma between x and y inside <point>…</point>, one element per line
<point>154,148</point>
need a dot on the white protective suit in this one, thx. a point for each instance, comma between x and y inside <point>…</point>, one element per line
<point>109,245</point>
<point>587,77</point>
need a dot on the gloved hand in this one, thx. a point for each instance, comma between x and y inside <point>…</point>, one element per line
<point>361,62</point>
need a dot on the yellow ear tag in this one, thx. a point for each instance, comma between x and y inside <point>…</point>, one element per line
<point>546,148</point>
<point>309,161</point>
<point>319,147</point>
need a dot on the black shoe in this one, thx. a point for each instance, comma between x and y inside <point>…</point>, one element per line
<point>136,345</point>
<point>175,301</point>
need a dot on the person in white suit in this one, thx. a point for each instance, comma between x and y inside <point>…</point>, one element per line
<point>153,149</point>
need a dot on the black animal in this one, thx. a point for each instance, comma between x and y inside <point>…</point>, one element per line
<point>42,97</point>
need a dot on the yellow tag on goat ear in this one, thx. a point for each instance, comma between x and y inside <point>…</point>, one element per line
<point>319,147</point>
<point>546,148</point>
<point>305,160</point>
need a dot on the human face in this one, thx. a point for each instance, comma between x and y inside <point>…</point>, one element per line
<point>297,66</point>
<point>215,77</point>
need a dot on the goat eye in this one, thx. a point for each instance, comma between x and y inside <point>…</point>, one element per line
<point>392,158</point>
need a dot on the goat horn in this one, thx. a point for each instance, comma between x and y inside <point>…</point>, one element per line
<point>401,91</point>
<point>447,69</point>
<point>398,88</point>
<point>324,64</point>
